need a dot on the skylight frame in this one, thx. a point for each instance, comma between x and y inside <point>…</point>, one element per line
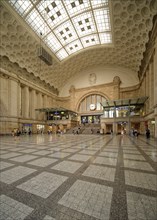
<point>49,18</point>
<point>21,3</point>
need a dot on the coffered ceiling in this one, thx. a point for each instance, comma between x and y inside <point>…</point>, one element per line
<point>77,33</point>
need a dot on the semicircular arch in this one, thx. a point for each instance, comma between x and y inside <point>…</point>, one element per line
<point>93,93</point>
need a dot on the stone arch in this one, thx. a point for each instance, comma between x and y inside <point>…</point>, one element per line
<point>88,94</point>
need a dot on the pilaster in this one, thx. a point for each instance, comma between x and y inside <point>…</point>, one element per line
<point>26,102</point>
<point>155,87</point>
<point>33,103</point>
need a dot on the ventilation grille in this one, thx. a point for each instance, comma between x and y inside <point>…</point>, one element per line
<point>45,56</point>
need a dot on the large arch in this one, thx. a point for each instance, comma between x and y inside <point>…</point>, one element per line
<point>89,94</point>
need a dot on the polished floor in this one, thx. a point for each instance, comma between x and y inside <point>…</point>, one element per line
<point>71,177</point>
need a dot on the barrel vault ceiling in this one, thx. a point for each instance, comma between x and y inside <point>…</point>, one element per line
<point>122,43</point>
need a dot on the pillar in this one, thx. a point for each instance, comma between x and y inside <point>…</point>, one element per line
<point>155,87</point>
<point>39,98</point>
<point>45,105</point>
<point>25,102</point>
<point>33,104</point>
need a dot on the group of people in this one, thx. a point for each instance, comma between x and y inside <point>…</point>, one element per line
<point>135,133</point>
<point>76,131</point>
<point>16,133</point>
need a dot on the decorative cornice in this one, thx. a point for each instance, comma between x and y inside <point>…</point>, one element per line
<point>17,72</point>
<point>130,88</point>
<point>24,82</point>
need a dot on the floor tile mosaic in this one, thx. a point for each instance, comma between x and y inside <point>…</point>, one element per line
<point>67,166</point>
<point>12,209</point>
<point>15,174</point>
<point>43,184</point>
<point>89,198</point>
<point>78,177</point>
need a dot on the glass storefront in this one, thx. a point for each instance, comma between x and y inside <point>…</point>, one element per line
<point>57,115</point>
<point>122,111</point>
<point>90,119</point>
<point>26,128</point>
<point>40,129</point>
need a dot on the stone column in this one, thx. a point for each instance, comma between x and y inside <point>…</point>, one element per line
<point>114,127</point>
<point>39,104</point>
<point>147,90</point>
<point>33,104</point>
<point>72,96</point>
<point>103,127</point>
<point>4,105</point>
<point>13,97</point>
<point>114,121</point>
<point>151,86</point>
<point>45,105</point>
<point>117,83</point>
<point>19,100</point>
<point>155,87</point>
<point>25,102</point>
<point>142,127</point>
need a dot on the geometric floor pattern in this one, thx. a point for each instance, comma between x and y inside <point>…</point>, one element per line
<point>78,177</point>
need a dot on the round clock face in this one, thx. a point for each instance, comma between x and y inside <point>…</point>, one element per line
<point>92,107</point>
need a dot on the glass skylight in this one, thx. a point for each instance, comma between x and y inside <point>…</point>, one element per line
<point>62,54</point>
<point>90,40</point>
<point>84,24</point>
<point>67,26</point>
<point>77,6</point>
<point>66,33</point>
<point>37,23</point>
<point>52,42</point>
<point>21,6</point>
<point>74,46</point>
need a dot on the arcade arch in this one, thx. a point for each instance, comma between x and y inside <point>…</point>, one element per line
<point>90,108</point>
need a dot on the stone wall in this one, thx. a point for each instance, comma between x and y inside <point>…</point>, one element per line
<point>19,97</point>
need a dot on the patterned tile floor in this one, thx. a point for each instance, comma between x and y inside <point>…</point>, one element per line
<point>78,177</point>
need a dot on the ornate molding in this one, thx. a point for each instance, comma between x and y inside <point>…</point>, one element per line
<point>14,70</point>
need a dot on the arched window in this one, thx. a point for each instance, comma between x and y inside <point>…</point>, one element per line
<point>91,103</point>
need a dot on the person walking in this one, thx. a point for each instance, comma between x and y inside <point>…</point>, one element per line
<point>147,133</point>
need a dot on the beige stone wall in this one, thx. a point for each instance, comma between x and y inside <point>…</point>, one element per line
<point>18,100</point>
<point>148,84</point>
<point>110,91</point>
<point>97,75</point>
<point>130,92</point>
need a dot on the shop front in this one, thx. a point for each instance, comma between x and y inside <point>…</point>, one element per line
<point>26,128</point>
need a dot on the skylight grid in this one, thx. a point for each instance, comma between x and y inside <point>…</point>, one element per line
<point>77,6</point>
<point>102,19</point>
<point>21,6</point>
<point>65,33</point>
<point>67,26</point>
<point>84,24</point>
<point>105,38</point>
<point>37,23</point>
<point>53,12</point>
<point>74,46</point>
<point>62,54</point>
<point>90,40</point>
<point>99,3</point>
<point>52,42</point>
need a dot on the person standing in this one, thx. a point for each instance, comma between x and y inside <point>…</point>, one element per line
<point>147,133</point>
